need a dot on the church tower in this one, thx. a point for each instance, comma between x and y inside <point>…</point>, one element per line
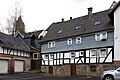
<point>20,26</point>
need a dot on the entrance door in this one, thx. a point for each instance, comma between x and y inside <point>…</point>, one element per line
<point>50,69</point>
<point>73,69</point>
<point>3,66</point>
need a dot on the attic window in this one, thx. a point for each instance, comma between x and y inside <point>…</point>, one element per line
<point>78,27</point>
<point>98,22</point>
<point>60,31</point>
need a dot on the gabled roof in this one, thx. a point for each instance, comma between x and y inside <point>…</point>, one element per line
<point>87,26</point>
<point>36,33</point>
<point>111,12</point>
<point>12,42</point>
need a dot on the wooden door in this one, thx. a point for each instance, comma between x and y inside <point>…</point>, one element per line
<point>50,69</point>
<point>73,69</point>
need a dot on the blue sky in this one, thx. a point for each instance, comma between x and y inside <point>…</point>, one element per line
<point>40,14</point>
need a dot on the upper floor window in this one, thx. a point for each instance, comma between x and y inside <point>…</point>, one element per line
<point>93,52</point>
<point>81,53</point>
<point>101,36</point>
<point>78,40</point>
<point>69,41</point>
<point>73,54</point>
<point>35,56</point>
<point>51,44</point>
<point>46,56</point>
<point>51,56</point>
<point>103,52</point>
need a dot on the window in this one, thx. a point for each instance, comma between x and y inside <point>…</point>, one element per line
<point>69,41</point>
<point>103,52</point>
<point>72,54</point>
<point>101,36</point>
<point>51,56</point>
<point>93,52</point>
<point>60,31</point>
<point>46,56</point>
<point>81,53</point>
<point>93,68</point>
<point>78,40</point>
<point>51,44</point>
<point>35,56</point>
<point>98,22</point>
<point>97,37</point>
<point>78,27</point>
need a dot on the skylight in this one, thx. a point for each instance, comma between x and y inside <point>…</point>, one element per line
<point>78,27</point>
<point>98,22</point>
<point>60,31</point>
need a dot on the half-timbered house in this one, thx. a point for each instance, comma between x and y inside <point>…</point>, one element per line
<point>14,55</point>
<point>31,39</point>
<point>85,45</point>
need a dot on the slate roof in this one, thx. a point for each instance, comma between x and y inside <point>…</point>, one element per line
<point>12,42</point>
<point>111,12</point>
<point>87,26</point>
<point>36,33</point>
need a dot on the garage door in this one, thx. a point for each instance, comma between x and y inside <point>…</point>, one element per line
<point>19,66</point>
<point>3,66</point>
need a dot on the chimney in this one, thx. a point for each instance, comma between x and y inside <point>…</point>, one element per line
<point>70,18</point>
<point>62,19</point>
<point>90,13</point>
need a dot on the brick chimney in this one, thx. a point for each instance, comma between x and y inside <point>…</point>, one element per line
<point>90,13</point>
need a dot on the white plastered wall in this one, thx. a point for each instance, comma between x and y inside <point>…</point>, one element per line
<point>117,34</point>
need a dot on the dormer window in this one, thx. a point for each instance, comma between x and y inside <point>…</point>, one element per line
<point>98,22</point>
<point>60,31</point>
<point>78,27</point>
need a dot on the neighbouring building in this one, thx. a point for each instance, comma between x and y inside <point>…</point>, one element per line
<point>85,45</point>
<point>30,39</point>
<point>14,55</point>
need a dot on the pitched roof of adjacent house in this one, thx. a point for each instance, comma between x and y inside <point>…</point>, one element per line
<point>12,42</point>
<point>36,33</point>
<point>68,29</point>
<point>111,12</point>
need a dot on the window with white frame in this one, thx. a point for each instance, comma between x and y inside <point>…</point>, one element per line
<point>69,41</point>
<point>81,53</point>
<point>93,52</point>
<point>46,56</point>
<point>97,37</point>
<point>51,56</point>
<point>35,56</point>
<point>101,36</point>
<point>73,54</point>
<point>78,40</point>
<point>51,44</point>
<point>103,52</point>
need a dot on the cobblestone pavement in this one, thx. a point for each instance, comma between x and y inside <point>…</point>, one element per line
<point>42,76</point>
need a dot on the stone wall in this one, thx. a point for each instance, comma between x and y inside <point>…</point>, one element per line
<point>61,70</point>
<point>45,69</point>
<point>82,69</point>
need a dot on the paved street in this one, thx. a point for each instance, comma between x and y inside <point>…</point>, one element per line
<point>41,76</point>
